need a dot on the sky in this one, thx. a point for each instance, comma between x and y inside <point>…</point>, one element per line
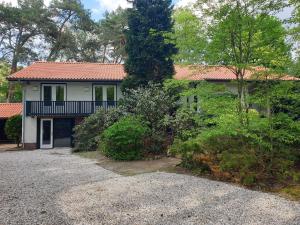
<point>98,7</point>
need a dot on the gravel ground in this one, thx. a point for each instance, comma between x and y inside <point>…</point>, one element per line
<point>56,188</point>
<point>31,181</point>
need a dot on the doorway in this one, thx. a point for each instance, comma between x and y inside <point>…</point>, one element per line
<point>46,133</point>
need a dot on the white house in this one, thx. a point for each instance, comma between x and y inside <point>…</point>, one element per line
<point>57,96</point>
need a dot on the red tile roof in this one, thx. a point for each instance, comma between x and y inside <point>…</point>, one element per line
<point>8,110</point>
<point>115,72</point>
<point>195,73</point>
<point>70,71</point>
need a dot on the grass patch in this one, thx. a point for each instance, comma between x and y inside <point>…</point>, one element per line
<point>292,192</point>
<point>89,155</point>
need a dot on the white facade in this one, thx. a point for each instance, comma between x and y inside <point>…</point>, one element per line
<point>74,91</point>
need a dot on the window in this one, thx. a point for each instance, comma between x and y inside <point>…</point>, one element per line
<point>99,93</point>
<point>105,95</point>
<point>60,93</point>
<point>110,93</point>
<point>47,93</point>
<point>54,92</point>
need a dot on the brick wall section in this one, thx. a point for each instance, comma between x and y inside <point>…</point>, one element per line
<point>30,146</point>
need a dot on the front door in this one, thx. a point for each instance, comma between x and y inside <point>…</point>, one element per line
<point>46,133</point>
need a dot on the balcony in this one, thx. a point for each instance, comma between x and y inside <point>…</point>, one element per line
<point>66,108</point>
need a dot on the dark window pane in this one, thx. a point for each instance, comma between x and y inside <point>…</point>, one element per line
<point>99,93</point>
<point>47,93</point>
<point>46,132</point>
<point>60,93</point>
<point>111,93</point>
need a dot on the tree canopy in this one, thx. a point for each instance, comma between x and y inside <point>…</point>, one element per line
<point>148,47</point>
<point>189,36</point>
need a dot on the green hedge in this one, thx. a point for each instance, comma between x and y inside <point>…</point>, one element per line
<point>124,139</point>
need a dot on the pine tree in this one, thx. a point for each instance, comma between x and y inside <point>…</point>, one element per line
<point>149,50</point>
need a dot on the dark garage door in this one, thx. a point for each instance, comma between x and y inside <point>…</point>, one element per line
<point>62,132</point>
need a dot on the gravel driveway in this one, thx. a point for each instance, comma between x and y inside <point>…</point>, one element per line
<point>56,188</point>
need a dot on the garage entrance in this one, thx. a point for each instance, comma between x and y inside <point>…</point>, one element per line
<point>63,132</point>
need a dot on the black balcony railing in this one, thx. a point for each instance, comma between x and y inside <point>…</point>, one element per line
<point>66,108</point>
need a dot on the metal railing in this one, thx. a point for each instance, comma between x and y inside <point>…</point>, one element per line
<point>66,108</point>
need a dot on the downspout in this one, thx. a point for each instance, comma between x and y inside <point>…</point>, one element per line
<point>23,115</point>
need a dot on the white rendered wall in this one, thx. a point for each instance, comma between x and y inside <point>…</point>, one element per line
<point>76,91</point>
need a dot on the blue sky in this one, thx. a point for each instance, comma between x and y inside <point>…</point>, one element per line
<point>98,7</point>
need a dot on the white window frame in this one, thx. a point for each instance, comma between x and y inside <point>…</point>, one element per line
<point>48,146</point>
<point>53,87</point>
<point>104,89</point>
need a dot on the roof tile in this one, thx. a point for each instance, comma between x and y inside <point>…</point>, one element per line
<point>69,71</point>
<point>8,110</point>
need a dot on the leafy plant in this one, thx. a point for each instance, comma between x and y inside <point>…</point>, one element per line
<point>13,128</point>
<point>88,133</point>
<point>124,139</point>
<point>149,50</point>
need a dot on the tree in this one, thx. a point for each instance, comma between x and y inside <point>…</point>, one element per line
<point>4,72</point>
<point>13,128</point>
<point>66,16</point>
<point>189,37</point>
<point>19,28</point>
<point>240,39</point>
<point>103,42</point>
<point>112,29</point>
<point>295,20</point>
<point>149,50</point>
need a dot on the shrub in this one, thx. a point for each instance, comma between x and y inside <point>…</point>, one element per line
<point>124,139</point>
<point>13,128</point>
<point>150,102</point>
<point>153,104</point>
<point>88,133</point>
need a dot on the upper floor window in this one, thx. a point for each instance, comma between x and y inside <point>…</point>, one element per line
<point>105,95</point>
<point>53,92</point>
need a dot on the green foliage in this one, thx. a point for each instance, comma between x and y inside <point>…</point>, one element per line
<point>150,102</point>
<point>88,133</point>
<point>20,26</point>
<point>153,104</point>
<point>13,128</point>
<point>65,18</point>
<point>4,72</point>
<point>186,123</point>
<point>124,139</point>
<point>149,50</point>
<point>265,150</point>
<point>189,37</point>
<point>111,31</point>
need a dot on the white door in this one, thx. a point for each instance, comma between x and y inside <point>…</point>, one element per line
<point>46,133</point>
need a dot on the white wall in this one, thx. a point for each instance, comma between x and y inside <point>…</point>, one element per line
<point>76,91</point>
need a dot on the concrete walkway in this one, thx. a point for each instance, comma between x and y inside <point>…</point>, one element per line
<point>54,187</point>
